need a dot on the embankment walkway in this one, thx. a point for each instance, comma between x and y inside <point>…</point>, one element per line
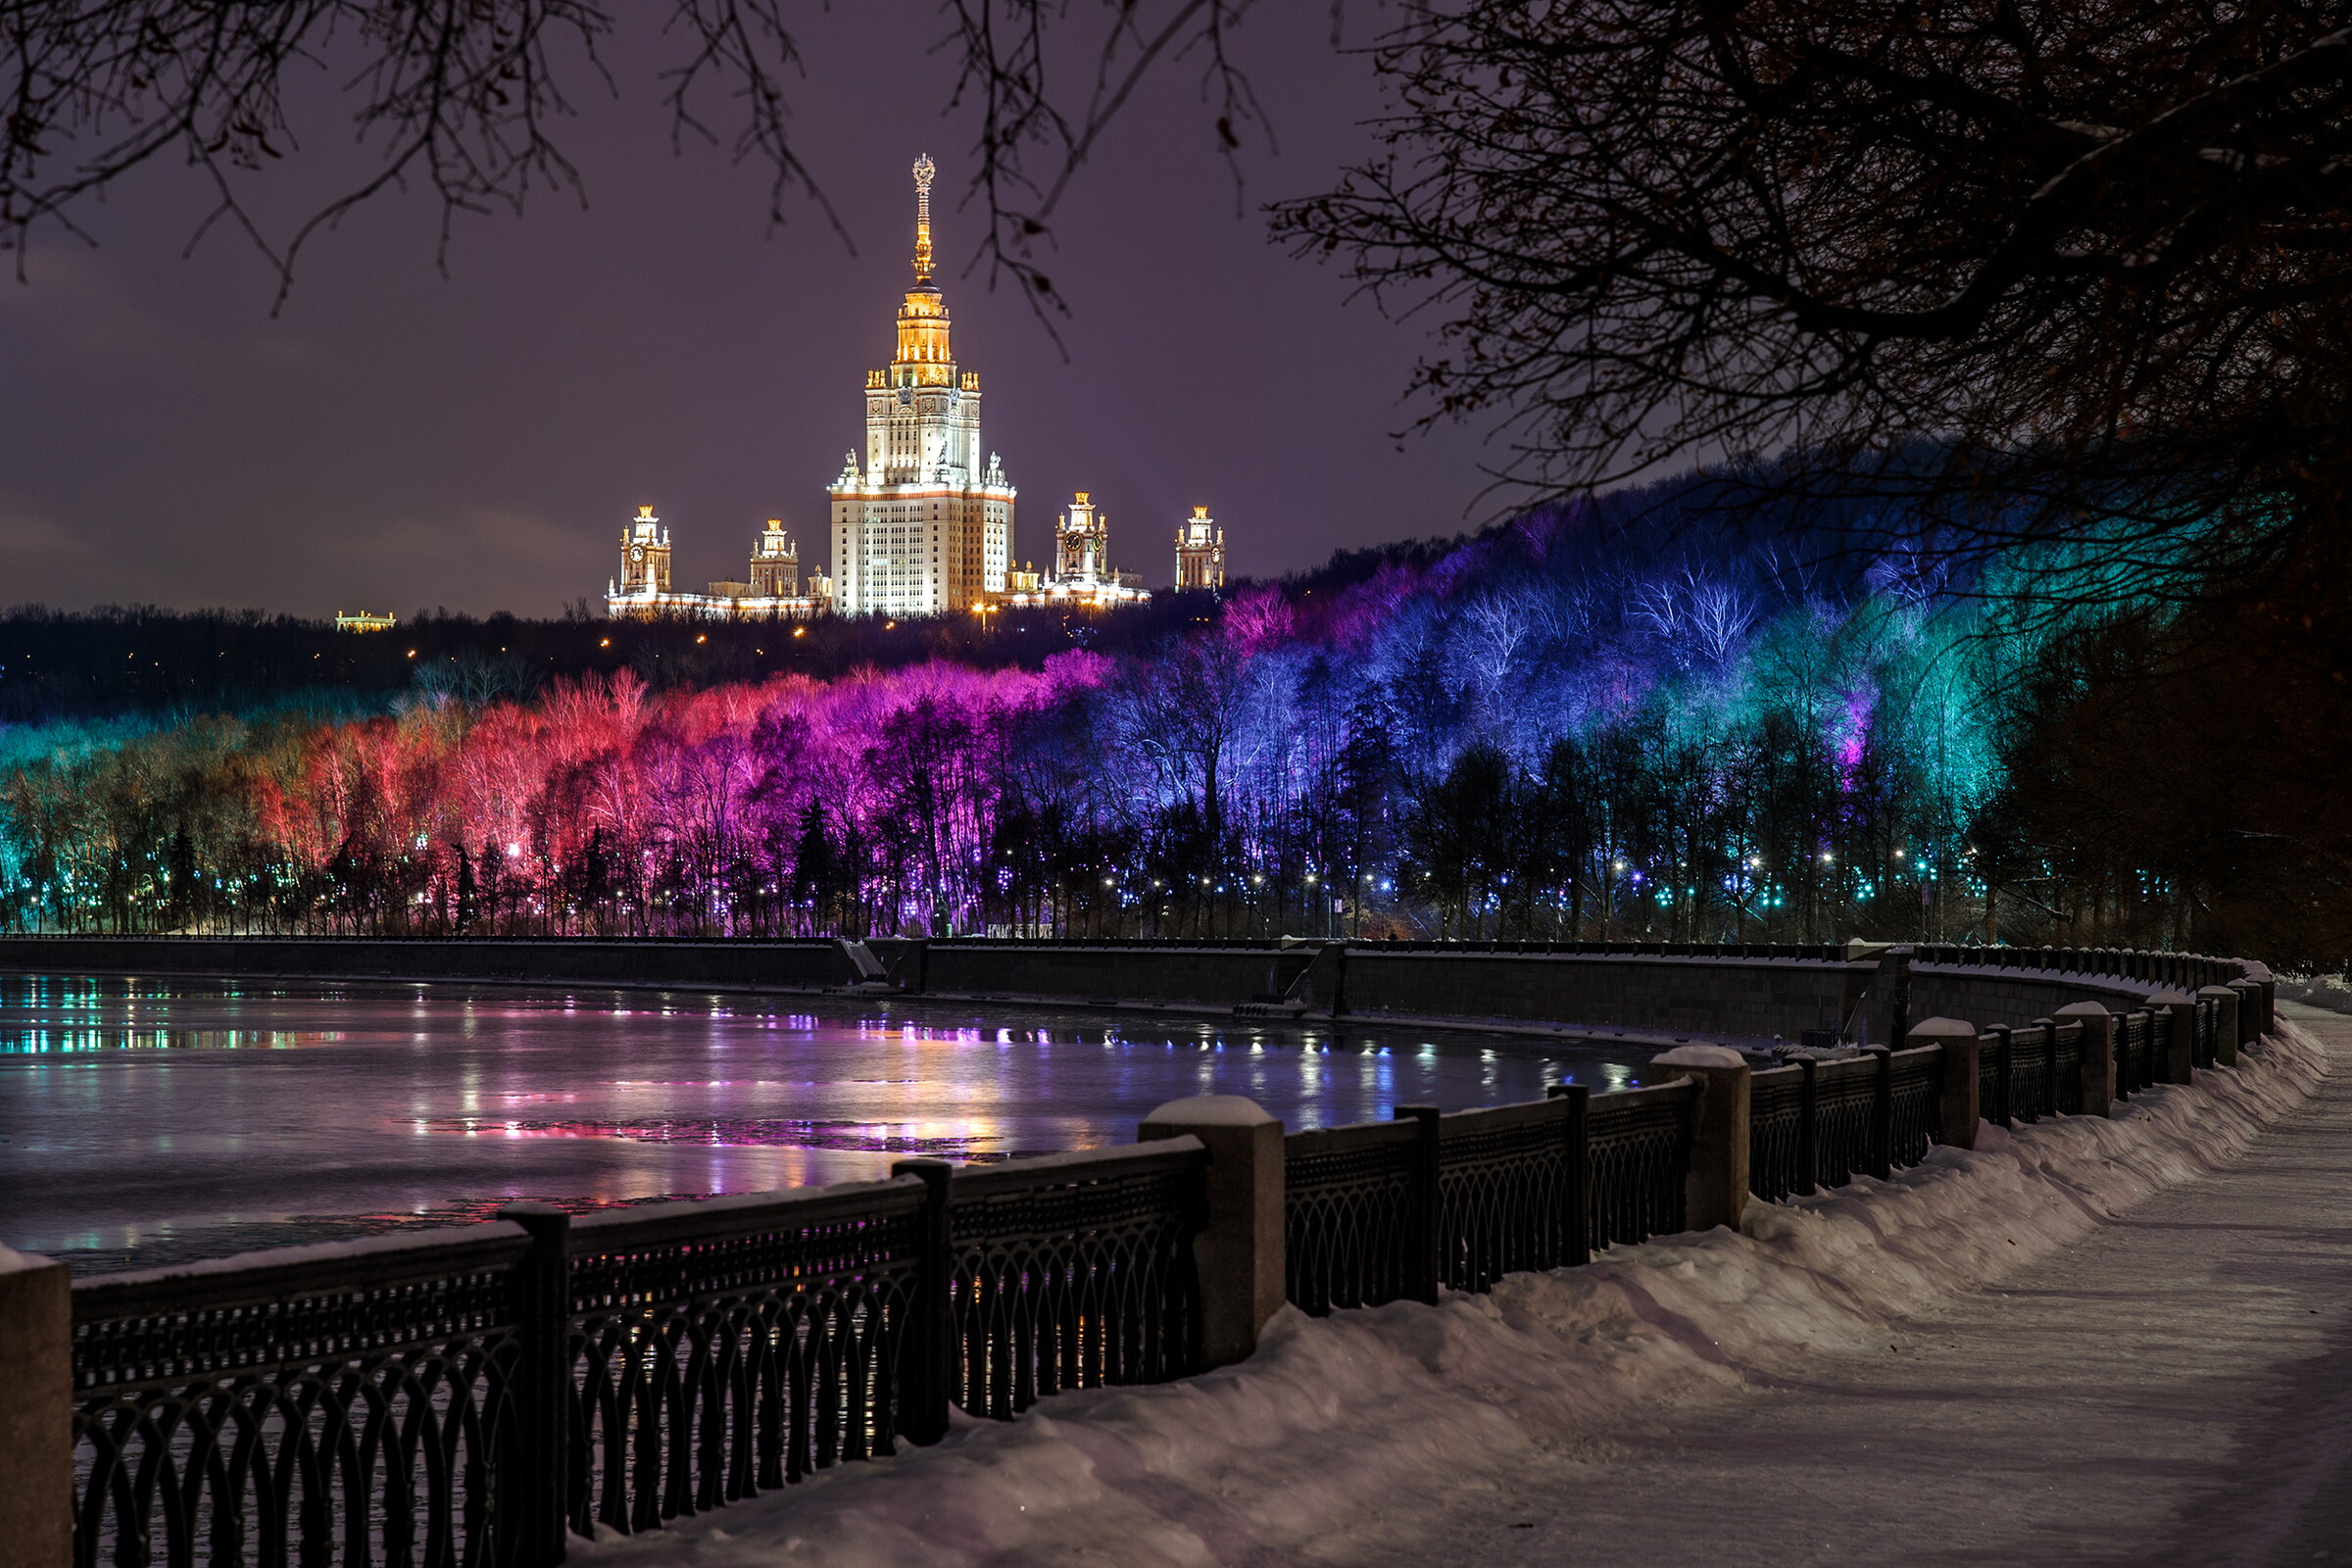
<point>2174,1389</point>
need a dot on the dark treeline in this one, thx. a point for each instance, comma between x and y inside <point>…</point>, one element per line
<point>58,665</point>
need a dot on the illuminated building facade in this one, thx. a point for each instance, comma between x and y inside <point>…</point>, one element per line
<point>1199,551</point>
<point>365,621</point>
<point>771,590</point>
<point>921,526</point>
<point>1082,577</point>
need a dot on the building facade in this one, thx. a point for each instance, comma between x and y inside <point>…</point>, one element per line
<point>921,525</point>
<point>770,590</point>
<point>1082,577</point>
<point>1199,551</point>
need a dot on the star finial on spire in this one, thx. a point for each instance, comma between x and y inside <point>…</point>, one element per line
<point>924,170</point>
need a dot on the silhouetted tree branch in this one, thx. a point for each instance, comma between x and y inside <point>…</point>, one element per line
<point>462,96</point>
<point>2072,275</point>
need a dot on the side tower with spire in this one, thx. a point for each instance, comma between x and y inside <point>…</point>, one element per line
<point>921,525</point>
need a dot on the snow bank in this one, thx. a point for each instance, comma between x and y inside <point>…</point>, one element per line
<point>1338,1422</point>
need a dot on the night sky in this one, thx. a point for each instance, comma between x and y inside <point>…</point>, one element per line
<point>395,439</point>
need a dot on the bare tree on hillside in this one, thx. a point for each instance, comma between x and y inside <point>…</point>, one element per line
<point>2077,274</point>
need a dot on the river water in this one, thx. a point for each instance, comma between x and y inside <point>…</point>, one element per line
<point>146,1121</point>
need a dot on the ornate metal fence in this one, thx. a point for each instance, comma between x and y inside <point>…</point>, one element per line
<point>1852,1114</point>
<point>1779,1111</point>
<point>1387,1211</point>
<point>1915,1109</point>
<point>2065,1068</point>
<point>326,1405</point>
<point>458,1400</point>
<point>1637,1154</point>
<point>1074,1271</point>
<point>1815,1124</point>
<point>722,1349</point>
<point>1509,1189</point>
<point>2131,1037</point>
<point>1349,1214</point>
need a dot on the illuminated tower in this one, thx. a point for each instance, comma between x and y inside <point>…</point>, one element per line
<point>1199,551</point>
<point>920,526</point>
<point>644,555</point>
<point>1082,544</point>
<point>775,564</point>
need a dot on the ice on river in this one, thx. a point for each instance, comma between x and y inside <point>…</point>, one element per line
<point>145,1122</point>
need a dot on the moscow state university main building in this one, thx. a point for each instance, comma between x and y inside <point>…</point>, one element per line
<point>920,526</point>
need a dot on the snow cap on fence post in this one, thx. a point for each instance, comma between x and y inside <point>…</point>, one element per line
<point>2097,1054</point>
<point>2224,1023</point>
<point>1715,1190</point>
<point>2181,1040</point>
<point>1961,1105</point>
<point>1240,1249</point>
<point>36,1415</point>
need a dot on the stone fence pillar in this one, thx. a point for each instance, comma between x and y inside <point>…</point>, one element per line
<point>1962,1105</point>
<point>1715,1192</point>
<point>37,1412</point>
<point>2097,1054</point>
<point>2174,1069</point>
<point>2224,1023</point>
<point>1239,1250</point>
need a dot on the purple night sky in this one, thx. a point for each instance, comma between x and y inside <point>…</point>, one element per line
<point>395,439</point>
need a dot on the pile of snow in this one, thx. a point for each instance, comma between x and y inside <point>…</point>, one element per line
<point>1339,1421</point>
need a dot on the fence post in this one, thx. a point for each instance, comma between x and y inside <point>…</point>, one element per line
<point>1960,1106</point>
<point>2097,1054</point>
<point>1576,1245</point>
<point>542,1500</point>
<point>927,1380</point>
<point>1882,1112</point>
<point>1421,1271</point>
<point>2179,1040</point>
<point>1239,1252</point>
<point>2224,1024</point>
<point>1715,1191</point>
<point>36,1415</point>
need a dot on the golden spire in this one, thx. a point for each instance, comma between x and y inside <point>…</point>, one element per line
<point>924,169</point>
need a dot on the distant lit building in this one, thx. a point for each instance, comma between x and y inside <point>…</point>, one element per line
<point>1082,577</point>
<point>1199,551</point>
<point>771,589</point>
<point>921,526</point>
<point>365,621</point>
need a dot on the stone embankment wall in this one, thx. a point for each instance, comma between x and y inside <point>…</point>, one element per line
<point>1752,996</point>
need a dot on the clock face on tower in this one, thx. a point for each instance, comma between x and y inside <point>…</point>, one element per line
<point>637,552</point>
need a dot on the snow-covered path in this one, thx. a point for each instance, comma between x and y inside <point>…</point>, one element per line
<point>2096,1340</point>
<point>2175,1388</point>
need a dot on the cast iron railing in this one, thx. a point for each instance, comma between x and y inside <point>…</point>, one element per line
<point>718,1349</point>
<point>1510,1190</point>
<point>459,1400</point>
<point>326,1406</point>
<point>1074,1271</point>
<point>1352,1206</point>
<point>1636,1155</point>
<point>1389,1212</point>
<point>1915,1103</point>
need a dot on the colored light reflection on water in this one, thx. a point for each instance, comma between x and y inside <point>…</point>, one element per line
<point>151,1122</point>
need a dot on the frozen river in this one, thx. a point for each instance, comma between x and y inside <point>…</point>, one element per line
<point>152,1121</point>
